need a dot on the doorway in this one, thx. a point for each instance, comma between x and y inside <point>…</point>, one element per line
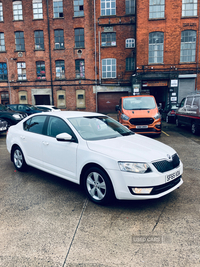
<point>42,99</point>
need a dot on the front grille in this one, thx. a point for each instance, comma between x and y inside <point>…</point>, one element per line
<point>165,166</point>
<point>146,130</point>
<point>141,121</point>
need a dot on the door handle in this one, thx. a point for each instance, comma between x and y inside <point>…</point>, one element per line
<point>22,137</point>
<point>45,143</point>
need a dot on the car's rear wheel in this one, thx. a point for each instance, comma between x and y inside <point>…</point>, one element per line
<point>18,159</point>
<point>167,119</point>
<point>98,186</point>
<point>177,122</point>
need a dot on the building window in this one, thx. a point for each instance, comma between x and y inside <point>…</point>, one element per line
<point>39,40</point>
<point>79,37</point>
<point>60,69</point>
<point>40,69</point>
<point>108,7</point>
<point>130,43</point>
<point>17,10</point>
<point>156,9</point>
<point>109,68</point>
<point>59,39</point>
<point>80,68</point>
<point>156,40</point>
<point>78,8</point>
<point>21,70</point>
<point>189,8</point>
<point>188,46</point>
<point>37,9</point>
<point>1,12</point>
<point>58,8</point>
<point>130,63</point>
<point>130,6</point>
<point>3,72</point>
<point>19,41</point>
<point>2,42</point>
<point>108,38</point>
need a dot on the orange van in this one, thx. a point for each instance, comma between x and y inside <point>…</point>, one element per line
<point>140,114</point>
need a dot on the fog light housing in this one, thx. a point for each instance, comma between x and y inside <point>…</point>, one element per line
<point>158,126</point>
<point>142,191</point>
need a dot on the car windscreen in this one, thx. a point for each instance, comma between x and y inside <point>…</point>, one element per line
<point>139,103</point>
<point>99,127</point>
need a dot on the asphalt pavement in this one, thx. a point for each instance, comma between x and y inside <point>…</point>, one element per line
<point>47,221</point>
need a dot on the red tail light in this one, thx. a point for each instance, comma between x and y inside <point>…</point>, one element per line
<point>172,112</point>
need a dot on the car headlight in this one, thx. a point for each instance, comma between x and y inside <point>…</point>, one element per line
<point>157,116</point>
<point>124,117</point>
<point>17,116</point>
<point>134,167</point>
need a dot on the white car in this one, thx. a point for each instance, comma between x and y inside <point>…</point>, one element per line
<point>97,152</point>
<point>48,108</point>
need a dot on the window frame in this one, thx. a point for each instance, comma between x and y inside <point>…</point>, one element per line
<point>185,10</point>
<point>130,64</point>
<point>130,7</point>
<point>2,42</point>
<point>21,45</point>
<point>60,64</point>
<point>80,73</point>
<point>155,51</point>
<point>60,37</point>
<point>18,16</point>
<point>79,43</point>
<point>40,37</point>
<point>39,65</point>
<point>3,71</point>
<point>1,11</point>
<point>153,9</point>
<point>39,9</point>
<point>130,43</point>
<point>60,14</point>
<point>108,35</point>
<point>109,68</point>
<point>21,69</point>
<point>185,52</point>
<point>77,8</point>
<point>108,11</point>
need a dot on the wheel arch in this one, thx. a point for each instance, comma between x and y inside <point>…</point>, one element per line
<point>12,149</point>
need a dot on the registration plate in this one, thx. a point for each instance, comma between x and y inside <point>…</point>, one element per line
<point>142,126</point>
<point>172,176</point>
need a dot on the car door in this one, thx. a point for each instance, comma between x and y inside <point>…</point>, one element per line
<point>32,138</point>
<point>59,157</point>
<point>181,111</point>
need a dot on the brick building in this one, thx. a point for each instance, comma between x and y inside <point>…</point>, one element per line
<point>167,64</point>
<point>78,55</point>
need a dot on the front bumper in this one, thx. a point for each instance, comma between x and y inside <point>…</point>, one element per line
<point>154,128</point>
<point>123,182</point>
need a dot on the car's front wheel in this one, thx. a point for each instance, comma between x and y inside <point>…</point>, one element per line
<point>98,186</point>
<point>18,159</point>
<point>194,128</point>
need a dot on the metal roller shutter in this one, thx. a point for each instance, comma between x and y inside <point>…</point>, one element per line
<point>186,86</point>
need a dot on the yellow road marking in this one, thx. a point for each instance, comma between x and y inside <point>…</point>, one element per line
<point>165,133</point>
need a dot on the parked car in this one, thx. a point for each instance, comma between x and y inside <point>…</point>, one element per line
<point>140,114</point>
<point>97,152</point>
<point>48,108</point>
<point>29,109</point>
<point>169,112</point>
<point>3,126</point>
<point>188,113</point>
<point>12,117</point>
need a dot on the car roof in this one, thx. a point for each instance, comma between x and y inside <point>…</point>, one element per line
<point>69,114</point>
<point>137,96</point>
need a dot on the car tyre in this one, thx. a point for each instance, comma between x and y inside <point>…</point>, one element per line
<point>167,119</point>
<point>98,186</point>
<point>18,159</point>
<point>177,123</point>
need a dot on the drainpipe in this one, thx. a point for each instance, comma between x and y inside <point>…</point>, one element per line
<point>10,95</point>
<point>198,51</point>
<point>95,52</point>
<point>49,36</point>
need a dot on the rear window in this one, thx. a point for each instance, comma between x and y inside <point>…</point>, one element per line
<point>189,101</point>
<point>139,103</point>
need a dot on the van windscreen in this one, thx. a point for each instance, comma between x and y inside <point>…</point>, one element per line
<point>139,103</point>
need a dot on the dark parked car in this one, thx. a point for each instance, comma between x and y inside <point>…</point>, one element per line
<point>12,117</point>
<point>29,109</point>
<point>168,113</point>
<point>3,126</point>
<point>188,113</point>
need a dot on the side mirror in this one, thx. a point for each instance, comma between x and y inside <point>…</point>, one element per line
<point>27,109</point>
<point>117,108</point>
<point>64,137</point>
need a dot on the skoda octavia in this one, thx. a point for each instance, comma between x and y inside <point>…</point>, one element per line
<point>97,152</point>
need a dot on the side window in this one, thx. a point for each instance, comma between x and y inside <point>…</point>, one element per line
<point>196,101</point>
<point>189,101</point>
<point>57,126</point>
<point>35,124</point>
<point>182,103</point>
